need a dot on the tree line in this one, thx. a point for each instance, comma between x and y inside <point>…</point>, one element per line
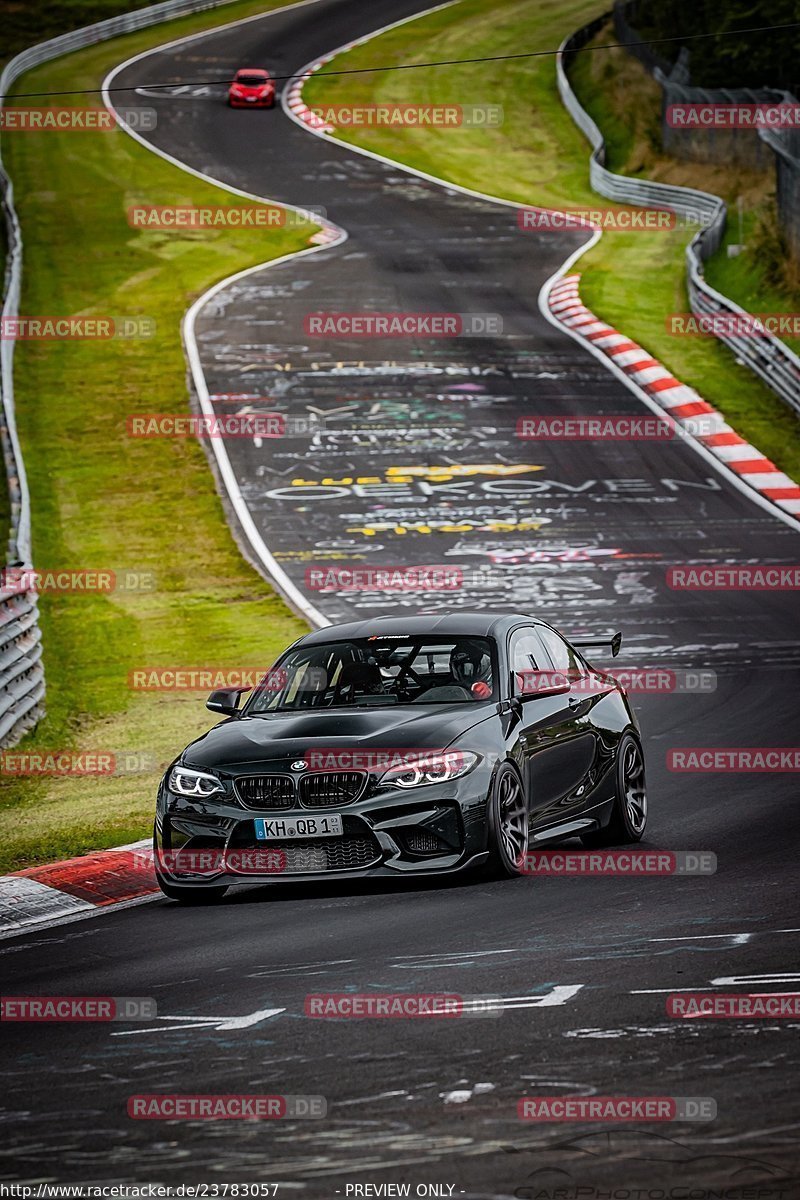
<point>769,59</point>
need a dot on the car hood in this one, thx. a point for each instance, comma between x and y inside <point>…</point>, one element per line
<point>244,741</point>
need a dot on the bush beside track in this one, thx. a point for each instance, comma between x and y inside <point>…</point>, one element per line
<point>538,156</point>
<point>101,499</point>
<point>26,24</point>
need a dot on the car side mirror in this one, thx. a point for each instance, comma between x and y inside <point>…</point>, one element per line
<point>225,700</point>
<point>530,685</point>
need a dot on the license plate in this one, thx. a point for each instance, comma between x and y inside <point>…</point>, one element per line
<point>296,828</point>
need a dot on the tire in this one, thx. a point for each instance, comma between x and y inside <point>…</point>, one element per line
<point>629,813</point>
<point>508,819</point>
<point>187,894</point>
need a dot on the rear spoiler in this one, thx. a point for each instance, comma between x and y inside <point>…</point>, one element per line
<point>615,641</point>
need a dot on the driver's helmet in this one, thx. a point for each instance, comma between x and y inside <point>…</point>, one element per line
<point>470,663</point>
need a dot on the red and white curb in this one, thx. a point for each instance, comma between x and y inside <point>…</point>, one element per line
<point>683,404</point>
<point>294,95</point>
<point>295,101</point>
<point>41,895</point>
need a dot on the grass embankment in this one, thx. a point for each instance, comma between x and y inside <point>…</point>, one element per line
<point>538,156</point>
<point>23,25</point>
<point>625,102</point>
<point>763,277</point>
<point>102,499</point>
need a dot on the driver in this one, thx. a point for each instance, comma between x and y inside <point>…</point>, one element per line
<point>471,668</point>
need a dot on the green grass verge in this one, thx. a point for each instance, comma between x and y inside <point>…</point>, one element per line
<point>101,499</point>
<point>538,156</point>
<point>745,278</point>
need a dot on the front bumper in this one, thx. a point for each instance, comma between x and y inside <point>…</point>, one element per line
<point>389,833</point>
<point>257,102</point>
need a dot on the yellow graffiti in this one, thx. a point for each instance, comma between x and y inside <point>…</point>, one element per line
<point>442,527</point>
<point>457,471</point>
<point>345,481</point>
<point>442,474</point>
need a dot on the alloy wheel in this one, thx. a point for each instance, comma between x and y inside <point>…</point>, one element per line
<point>513,814</point>
<point>634,787</point>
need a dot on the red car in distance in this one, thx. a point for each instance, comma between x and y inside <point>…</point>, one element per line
<point>252,88</point>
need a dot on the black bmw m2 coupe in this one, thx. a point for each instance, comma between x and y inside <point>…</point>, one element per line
<point>404,746</point>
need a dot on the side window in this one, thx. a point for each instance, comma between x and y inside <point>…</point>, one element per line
<point>525,651</point>
<point>563,656</point>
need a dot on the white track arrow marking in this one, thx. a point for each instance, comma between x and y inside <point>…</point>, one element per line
<point>220,1023</point>
<point>558,994</point>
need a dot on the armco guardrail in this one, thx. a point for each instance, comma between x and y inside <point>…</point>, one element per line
<point>22,686</point>
<point>769,357</point>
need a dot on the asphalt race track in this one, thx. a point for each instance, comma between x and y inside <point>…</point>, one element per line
<point>581,534</point>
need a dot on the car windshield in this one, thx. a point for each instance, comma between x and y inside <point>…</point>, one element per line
<point>377,672</point>
<point>251,80</point>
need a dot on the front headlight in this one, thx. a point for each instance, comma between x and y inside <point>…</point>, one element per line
<point>198,784</point>
<point>431,768</point>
